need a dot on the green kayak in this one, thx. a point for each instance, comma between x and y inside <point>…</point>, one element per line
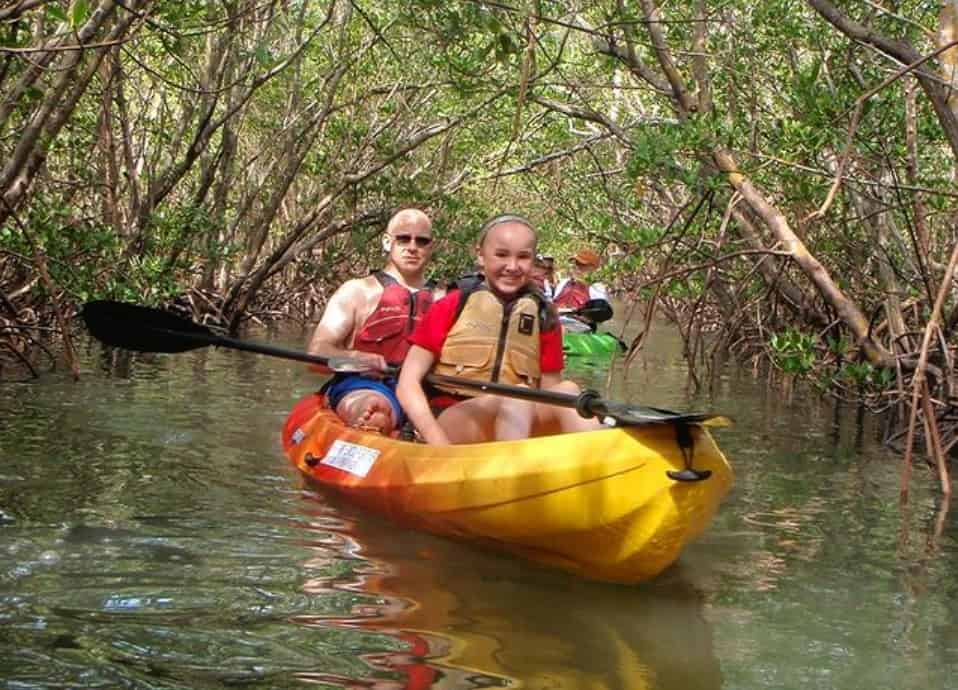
<point>591,344</point>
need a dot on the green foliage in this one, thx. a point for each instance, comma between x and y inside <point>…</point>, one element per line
<point>665,151</point>
<point>55,11</point>
<point>79,11</point>
<point>864,375</point>
<point>838,346</point>
<point>793,352</point>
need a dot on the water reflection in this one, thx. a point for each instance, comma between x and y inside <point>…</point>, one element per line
<point>153,536</point>
<point>451,616</point>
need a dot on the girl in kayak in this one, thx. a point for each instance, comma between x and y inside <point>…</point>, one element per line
<point>496,329</point>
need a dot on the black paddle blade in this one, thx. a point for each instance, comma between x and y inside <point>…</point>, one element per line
<point>595,310</point>
<point>625,414</point>
<point>134,327</point>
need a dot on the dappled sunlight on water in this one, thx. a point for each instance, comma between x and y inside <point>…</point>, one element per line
<point>155,536</point>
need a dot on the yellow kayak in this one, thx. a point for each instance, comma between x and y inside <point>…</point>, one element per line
<point>599,504</point>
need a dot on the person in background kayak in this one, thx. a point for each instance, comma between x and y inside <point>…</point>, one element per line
<point>368,320</point>
<point>541,275</point>
<point>573,292</point>
<point>496,329</point>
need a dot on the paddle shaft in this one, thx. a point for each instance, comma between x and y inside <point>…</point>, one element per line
<point>533,394</point>
<point>520,392</point>
<point>144,329</point>
<point>235,344</point>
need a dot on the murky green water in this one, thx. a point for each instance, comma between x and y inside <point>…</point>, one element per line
<point>152,535</point>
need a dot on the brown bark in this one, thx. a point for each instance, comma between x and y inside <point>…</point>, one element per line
<point>41,60</point>
<point>700,64</point>
<point>920,391</point>
<point>911,167</point>
<point>16,9</point>
<point>67,66</point>
<point>297,147</point>
<point>948,33</point>
<point>875,215</point>
<point>245,287</point>
<point>129,161</point>
<point>771,270</point>
<point>107,146</point>
<point>680,95</point>
<point>207,121</point>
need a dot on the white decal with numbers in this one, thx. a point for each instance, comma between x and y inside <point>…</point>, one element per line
<point>351,458</point>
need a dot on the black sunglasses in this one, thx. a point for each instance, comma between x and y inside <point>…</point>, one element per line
<point>420,240</point>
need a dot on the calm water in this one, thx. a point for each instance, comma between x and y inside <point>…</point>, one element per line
<point>152,535</point>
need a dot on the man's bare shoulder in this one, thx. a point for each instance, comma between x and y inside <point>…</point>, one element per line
<point>356,287</point>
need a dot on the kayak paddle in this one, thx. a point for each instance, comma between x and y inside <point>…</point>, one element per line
<point>144,329</point>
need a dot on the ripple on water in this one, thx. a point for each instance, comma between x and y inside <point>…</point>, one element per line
<point>155,536</point>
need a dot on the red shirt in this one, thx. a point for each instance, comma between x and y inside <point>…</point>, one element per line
<point>431,333</point>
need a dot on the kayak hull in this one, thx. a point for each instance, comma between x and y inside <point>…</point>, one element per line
<point>598,504</point>
<point>591,344</point>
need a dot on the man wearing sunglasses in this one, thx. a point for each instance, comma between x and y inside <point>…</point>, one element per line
<point>368,319</point>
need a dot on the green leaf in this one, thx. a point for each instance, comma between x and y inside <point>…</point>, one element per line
<point>55,12</point>
<point>79,11</point>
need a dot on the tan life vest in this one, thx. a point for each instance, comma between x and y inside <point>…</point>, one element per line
<point>489,342</point>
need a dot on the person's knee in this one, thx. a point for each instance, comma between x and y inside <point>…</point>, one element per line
<point>466,422</point>
<point>514,407</point>
<point>569,387</point>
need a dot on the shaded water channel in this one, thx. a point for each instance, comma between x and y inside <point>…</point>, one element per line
<point>152,535</point>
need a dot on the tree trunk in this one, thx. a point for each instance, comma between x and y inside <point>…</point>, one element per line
<point>773,218</point>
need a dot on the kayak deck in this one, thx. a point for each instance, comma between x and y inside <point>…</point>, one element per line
<point>599,504</point>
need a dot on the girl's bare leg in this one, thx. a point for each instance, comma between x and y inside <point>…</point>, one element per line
<point>551,419</point>
<point>487,418</point>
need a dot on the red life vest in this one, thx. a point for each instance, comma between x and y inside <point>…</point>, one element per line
<point>420,674</point>
<point>399,311</point>
<point>574,294</point>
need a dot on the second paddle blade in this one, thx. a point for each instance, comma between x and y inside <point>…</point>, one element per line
<point>144,329</point>
<point>596,310</point>
<point>637,415</point>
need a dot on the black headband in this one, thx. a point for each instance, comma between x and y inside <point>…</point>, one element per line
<point>504,218</point>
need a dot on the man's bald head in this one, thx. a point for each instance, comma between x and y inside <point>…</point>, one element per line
<point>409,220</point>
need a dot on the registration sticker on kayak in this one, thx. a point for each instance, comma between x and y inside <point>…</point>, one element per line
<point>351,457</point>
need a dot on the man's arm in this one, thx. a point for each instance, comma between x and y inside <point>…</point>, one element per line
<point>598,291</point>
<point>335,328</point>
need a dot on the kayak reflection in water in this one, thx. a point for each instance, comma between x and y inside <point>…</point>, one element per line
<point>367,320</point>
<point>493,327</point>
